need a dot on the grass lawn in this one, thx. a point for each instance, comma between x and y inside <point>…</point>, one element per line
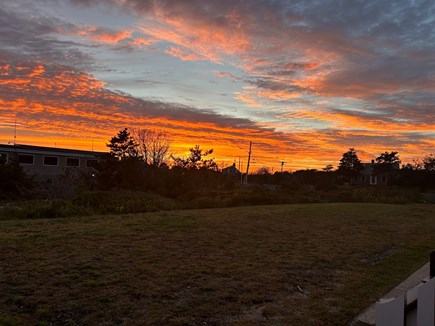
<point>314,264</point>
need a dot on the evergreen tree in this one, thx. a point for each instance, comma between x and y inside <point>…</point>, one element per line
<point>123,146</point>
<point>196,160</point>
<point>350,165</point>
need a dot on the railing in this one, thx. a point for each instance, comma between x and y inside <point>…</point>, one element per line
<point>414,308</point>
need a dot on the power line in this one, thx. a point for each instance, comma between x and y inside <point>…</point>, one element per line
<point>249,160</point>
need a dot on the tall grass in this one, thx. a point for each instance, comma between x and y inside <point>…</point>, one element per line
<point>123,202</point>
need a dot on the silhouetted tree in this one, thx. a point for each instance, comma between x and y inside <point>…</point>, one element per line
<point>153,146</point>
<point>350,165</point>
<point>263,171</point>
<point>420,173</point>
<point>429,162</point>
<point>123,146</point>
<point>196,160</point>
<point>388,158</point>
<point>387,162</point>
<point>328,168</point>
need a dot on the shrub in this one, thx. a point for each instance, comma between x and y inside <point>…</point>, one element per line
<point>107,202</point>
<point>15,183</point>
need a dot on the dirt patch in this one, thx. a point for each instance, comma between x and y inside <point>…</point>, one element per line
<point>379,256</point>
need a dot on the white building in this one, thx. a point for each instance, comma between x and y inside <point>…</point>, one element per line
<point>49,161</point>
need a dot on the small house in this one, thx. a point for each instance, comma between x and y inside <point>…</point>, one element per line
<point>371,175</point>
<point>232,170</point>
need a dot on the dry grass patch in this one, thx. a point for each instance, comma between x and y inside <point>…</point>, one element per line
<point>316,264</point>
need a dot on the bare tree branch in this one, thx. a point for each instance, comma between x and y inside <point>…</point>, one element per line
<point>153,147</point>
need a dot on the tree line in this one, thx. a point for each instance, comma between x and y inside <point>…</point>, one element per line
<point>142,160</point>
<point>419,174</point>
<point>152,148</point>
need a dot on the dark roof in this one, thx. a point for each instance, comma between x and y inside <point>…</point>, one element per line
<point>369,167</point>
<point>19,147</point>
<point>230,169</point>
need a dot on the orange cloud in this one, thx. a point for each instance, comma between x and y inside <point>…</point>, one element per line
<point>55,104</point>
<point>39,70</point>
<point>353,120</point>
<point>65,105</point>
<point>5,69</point>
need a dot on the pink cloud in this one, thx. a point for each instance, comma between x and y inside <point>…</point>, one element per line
<point>225,74</point>
<point>103,35</point>
<point>177,52</point>
<point>141,42</point>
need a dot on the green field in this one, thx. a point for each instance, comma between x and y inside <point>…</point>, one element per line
<point>313,264</point>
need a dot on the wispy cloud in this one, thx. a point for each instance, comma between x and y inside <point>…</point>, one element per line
<point>326,74</point>
<point>105,35</point>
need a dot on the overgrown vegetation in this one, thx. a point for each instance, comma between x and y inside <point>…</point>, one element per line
<point>14,183</point>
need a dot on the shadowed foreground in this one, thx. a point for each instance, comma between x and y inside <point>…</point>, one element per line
<point>315,264</point>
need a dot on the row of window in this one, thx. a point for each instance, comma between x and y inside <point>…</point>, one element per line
<point>373,178</point>
<point>50,160</point>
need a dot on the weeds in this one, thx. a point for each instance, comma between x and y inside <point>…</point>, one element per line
<point>123,202</point>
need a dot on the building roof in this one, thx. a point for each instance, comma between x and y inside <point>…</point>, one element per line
<point>369,168</point>
<point>48,150</point>
<point>231,169</point>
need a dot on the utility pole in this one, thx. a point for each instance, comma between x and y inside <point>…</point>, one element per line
<point>241,173</point>
<point>282,165</point>
<point>249,160</point>
<point>15,130</point>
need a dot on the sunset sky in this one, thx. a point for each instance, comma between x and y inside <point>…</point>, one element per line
<point>302,80</point>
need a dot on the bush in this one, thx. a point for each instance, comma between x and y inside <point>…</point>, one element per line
<point>40,210</point>
<point>15,183</point>
<point>111,202</point>
<point>369,194</point>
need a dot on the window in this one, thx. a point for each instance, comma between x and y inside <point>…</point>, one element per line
<point>373,179</point>
<point>92,163</point>
<point>384,178</point>
<point>70,161</point>
<point>51,160</point>
<point>25,159</point>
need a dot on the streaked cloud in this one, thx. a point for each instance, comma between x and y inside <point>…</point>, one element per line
<point>105,35</point>
<point>307,77</point>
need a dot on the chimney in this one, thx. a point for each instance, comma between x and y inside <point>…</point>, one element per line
<point>373,161</point>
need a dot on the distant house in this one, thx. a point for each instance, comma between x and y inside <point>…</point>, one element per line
<point>232,170</point>
<point>369,175</point>
<point>49,161</point>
